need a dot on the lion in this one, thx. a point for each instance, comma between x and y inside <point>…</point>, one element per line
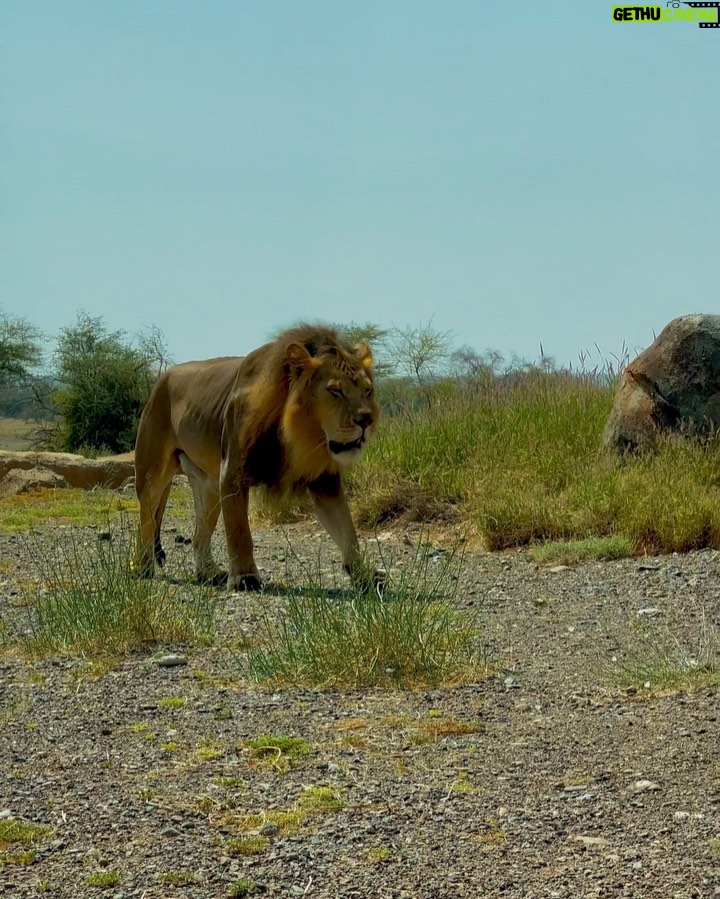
<point>292,415</point>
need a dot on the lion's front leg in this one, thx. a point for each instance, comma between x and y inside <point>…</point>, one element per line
<point>333,513</point>
<point>242,571</point>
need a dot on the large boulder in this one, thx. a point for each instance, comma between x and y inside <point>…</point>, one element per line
<point>673,385</point>
<point>110,471</point>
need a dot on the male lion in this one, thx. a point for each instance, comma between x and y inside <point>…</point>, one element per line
<point>292,414</point>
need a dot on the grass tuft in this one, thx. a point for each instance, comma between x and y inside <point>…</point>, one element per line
<point>572,551</point>
<point>411,634</point>
<point>657,659</point>
<point>91,602</point>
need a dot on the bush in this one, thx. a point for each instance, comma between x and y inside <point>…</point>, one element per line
<point>105,381</point>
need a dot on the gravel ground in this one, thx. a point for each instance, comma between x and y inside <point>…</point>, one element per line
<point>544,780</point>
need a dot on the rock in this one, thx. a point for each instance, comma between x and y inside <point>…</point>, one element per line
<point>643,786</point>
<point>111,471</point>
<point>269,829</point>
<point>172,660</point>
<point>24,480</point>
<point>672,386</point>
<point>588,842</point>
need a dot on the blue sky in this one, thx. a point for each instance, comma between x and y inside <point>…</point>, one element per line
<point>516,173</point>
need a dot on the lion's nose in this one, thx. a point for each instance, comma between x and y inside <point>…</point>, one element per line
<point>364,420</point>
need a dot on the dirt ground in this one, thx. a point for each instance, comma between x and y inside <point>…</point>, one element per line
<point>546,779</point>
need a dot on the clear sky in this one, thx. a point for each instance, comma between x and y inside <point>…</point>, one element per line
<point>516,173</point>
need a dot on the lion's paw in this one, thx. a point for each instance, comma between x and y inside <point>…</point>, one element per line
<point>239,583</point>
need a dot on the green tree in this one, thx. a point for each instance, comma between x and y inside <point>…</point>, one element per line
<point>104,381</point>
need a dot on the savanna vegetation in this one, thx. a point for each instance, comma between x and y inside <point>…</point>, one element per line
<point>508,453</point>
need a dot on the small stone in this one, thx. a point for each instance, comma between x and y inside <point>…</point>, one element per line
<point>649,612</point>
<point>172,660</point>
<point>269,829</point>
<point>171,832</point>
<point>590,841</point>
<point>5,814</point>
<point>644,786</point>
<point>556,569</point>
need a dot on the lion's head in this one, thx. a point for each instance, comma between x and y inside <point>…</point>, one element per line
<point>331,410</point>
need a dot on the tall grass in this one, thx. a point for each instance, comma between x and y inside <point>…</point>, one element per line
<point>520,457</point>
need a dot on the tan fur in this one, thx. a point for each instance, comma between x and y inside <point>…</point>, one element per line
<point>290,415</point>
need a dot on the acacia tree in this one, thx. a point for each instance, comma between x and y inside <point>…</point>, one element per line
<point>104,380</point>
<point>19,350</point>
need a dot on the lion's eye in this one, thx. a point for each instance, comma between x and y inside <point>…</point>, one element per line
<point>336,391</point>
<point>370,391</point>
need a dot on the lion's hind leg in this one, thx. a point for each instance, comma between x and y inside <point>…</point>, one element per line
<point>153,487</point>
<point>206,497</point>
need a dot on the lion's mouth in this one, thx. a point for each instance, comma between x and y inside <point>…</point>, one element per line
<point>336,448</point>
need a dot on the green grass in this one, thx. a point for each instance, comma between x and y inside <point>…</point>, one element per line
<point>572,551</point>
<point>14,832</point>
<point>267,751</point>
<point>69,506</point>
<point>410,635</point>
<point>242,887</point>
<point>91,602</point>
<point>103,879</point>
<point>521,460</point>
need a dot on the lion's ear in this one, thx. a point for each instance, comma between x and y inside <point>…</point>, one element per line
<point>299,359</point>
<point>364,354</point>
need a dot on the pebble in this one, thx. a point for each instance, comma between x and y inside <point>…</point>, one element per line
<point>649,612</point>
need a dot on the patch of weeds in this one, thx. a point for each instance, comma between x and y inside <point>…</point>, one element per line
<point>23,832</point>
<point>277,752</point>
<point>378,854</point>
<point>714,847</point>
<point>250,845</point>
<point>229,783</point>
<point>146,794</point>
<point>103,879</point>
<point>288,821</point>
<point>170,746</point>
<point>412,634</point>
<point>320,799</point>
<point>658,660</point>
<point>242,887</point>
<point>462,784</point>
<point>493,834</point>
<point>93,603</point>
<point>139,727</point>
<point>560,552</point>
<point>437,727</point>
<point>178,878</point>
<point>222,713</point>
<point>21,858</point>
<point>210,749</point>
<point>172,702</point>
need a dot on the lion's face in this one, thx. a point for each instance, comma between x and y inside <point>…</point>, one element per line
<point>338,396</point>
